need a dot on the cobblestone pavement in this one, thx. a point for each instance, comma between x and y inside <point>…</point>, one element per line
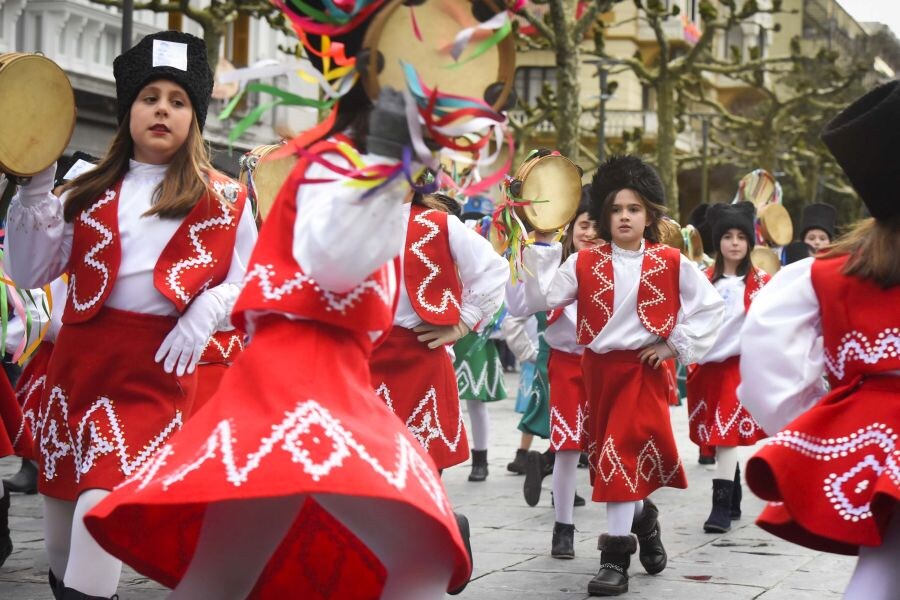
<point>511,541</point>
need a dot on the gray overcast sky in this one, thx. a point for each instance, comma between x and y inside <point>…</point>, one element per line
<point>884,11</point>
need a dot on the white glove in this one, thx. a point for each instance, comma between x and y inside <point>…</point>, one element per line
<point>39,187</point>
<point>185,343</point>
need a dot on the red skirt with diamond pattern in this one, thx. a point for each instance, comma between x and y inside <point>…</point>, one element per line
<point>832,476</point>
<point>716,416</point>
<point>631,448</point>
<point>568,402</point>
<point>295,414</point>
<point>29,391</point>
<point>419,385</point>
<point>107,406</point>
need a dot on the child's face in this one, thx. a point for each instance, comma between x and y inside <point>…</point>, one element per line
<point>817,238</point>
<point>628,219</point>
<point>733,245</point>
<point>161,117</point>
<point>585,233</point>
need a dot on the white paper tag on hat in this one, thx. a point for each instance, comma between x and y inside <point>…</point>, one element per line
<point>80,166</point>
<point>170,54</point>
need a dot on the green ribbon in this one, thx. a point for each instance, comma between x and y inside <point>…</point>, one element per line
<point>484,46</point>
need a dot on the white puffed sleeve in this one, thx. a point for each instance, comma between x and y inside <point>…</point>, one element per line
<point>228,291</point>
<point>482,271</point>
<point>547,284</point>
<point>340,238</point>
<point>701,313</point>
<point>515,332</point>
<point>782,356</point>
<point>38,241</point>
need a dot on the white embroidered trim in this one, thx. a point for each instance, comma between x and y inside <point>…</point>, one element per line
<point>447,296</point>
<point>429,426</point>
<point>855,345</point>
<point>561,430</point>
<point>649,464</point>
<point>683,345</point>
<point>466,380</point>
<point>747,427</point>
<point>33,419</point>
<point>698,415</point>
<point>89,258</point>
<point>658,297</point>
<point>234,341</point>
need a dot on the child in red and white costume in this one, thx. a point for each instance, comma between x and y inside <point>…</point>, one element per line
<point>717,418</point>
<point>639,303</point>
<point>451,281</point>
<point>222,349</point>
<point>832,472</point>
<point>155,242</point>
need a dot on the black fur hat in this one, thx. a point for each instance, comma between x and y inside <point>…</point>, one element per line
<point>723,217</point>
<point>818,215</point>
<point>180,57</point>
<point>863,139</point>
<point>698,218</point>
<point>796,251</point>
<point>619,173</point>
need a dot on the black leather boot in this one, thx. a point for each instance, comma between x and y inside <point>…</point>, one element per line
<point>536,468</point>
<point>736,494</point>
<point>563,545</point>
<point>646,527</point>
<point>583,462</point>
<point>479,466</point>
<point>5,539</point>
<point>25,481</point>
<point>56,586</point>
<point>70,594</point>
<point>578,501</point>
<point>463,523</point>
<point>615,558</point>
<point>719,520</point>
<point>705,457</point>
<point>517,466</point>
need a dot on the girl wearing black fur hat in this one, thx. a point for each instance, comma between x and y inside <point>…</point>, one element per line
<point>832,472</point>
<point>716,416</point>
<point>639,303</point>
<point>155,242</point>
<point>817,227</point>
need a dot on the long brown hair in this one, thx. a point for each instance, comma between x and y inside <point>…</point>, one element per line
<point>184,185</point>
<point>655,213</point>
<point>743,268</point>
<point>874,250</point>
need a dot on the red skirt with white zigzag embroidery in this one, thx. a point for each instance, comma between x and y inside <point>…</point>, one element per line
<point>295,415</point>
<point>568,402</point>
<point>717,417</point>
<point>631,447</point>
<point>10,416</point>
<point>419,385</point>
<point>832,476</point>
<point>107,406</point>
<point>29,391</point>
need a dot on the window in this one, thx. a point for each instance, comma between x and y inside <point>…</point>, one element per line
<point>734,38</point>
<point>531,80</point>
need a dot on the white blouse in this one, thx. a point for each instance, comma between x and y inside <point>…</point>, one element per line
<point>782,355</point>
<point>561,335</point>
<point>728,340</point>
<point>698,318</point>
<point>482,272</point>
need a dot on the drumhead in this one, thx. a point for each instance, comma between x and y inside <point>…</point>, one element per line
<point>268,176</point>
<point>765,259</point>
<point>391,38</point>
<point>37,113</point>
<point>775,225</point>
<point>670,233</point>
<point>553,184</point>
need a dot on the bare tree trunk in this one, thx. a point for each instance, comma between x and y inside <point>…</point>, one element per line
<point>562,14</point>
<point>665,143</point>
<point>213,32</point>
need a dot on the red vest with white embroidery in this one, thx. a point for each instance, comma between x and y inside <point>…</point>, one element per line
<point>754,282</point>
<point>196,258</point>
<point>860,322</point>
<point>658,297</point>
<point>429,272</point>
<point>553,315</point>
<point>275,282</point>
<point>223,347</point>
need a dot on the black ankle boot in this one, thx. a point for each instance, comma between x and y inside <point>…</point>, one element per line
<point>563,540</point>
<point>479,466</point>
<point>646,527</point>
<point>70,594</point>
<point>583,462</point>
<point>535,470</point>
<point>577,501</point>
<point>736,494</point>
<point>615,558</point>
<point>707,459</point>
<point>517,466</point>
<point>56,586</point>
<point>5,539</point>
<point>463,523</point>
<point>719,520</point>
<point>25,481</point>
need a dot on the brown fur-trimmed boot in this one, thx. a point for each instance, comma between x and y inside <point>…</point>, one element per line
<point>615,558</point>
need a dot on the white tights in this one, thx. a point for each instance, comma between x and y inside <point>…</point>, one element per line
<point>620,515</point>
<point>238,538</point>
<point>726,462</point>
<point>481,423</point>
<point>565,470</point>
<point>876,576</point>
<point>74,556</point>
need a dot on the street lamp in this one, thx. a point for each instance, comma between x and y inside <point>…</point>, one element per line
<point>127,21</point>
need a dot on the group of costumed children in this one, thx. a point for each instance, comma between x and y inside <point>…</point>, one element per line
<point>298,479</point>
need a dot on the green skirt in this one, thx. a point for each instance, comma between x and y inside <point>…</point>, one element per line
<point>479,372</point>
<point>536,419</point>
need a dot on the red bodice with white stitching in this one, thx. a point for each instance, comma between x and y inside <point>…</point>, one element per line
<point>429,273</point>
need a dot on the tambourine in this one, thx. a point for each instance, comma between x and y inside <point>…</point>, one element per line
<point>693,243</point>
<point>775,226</point>
<point>421,33</point>
<point>765,259</point>
<point>268,175</point>
<point>759,187</point>
<point>37,113</point>
<point>550,185</point>
<point>670,233</point>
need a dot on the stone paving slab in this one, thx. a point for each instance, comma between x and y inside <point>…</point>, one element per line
<point>511,540</point>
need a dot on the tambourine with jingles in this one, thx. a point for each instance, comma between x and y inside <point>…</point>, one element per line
<point>37,113</point>
<point>547,191</point>
<point>421,33</point>
<point>264,176</point>
<point>765,259</point>
<point>774,225</point>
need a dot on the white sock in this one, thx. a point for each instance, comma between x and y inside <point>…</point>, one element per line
<point>90,569</point>
<point>565,470</point>
<point>726,462</point>
<point>619,516</point>
<point>481,424</point>
<point>58,515</point>
<point>237,539</point>
<point>876,576</point>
